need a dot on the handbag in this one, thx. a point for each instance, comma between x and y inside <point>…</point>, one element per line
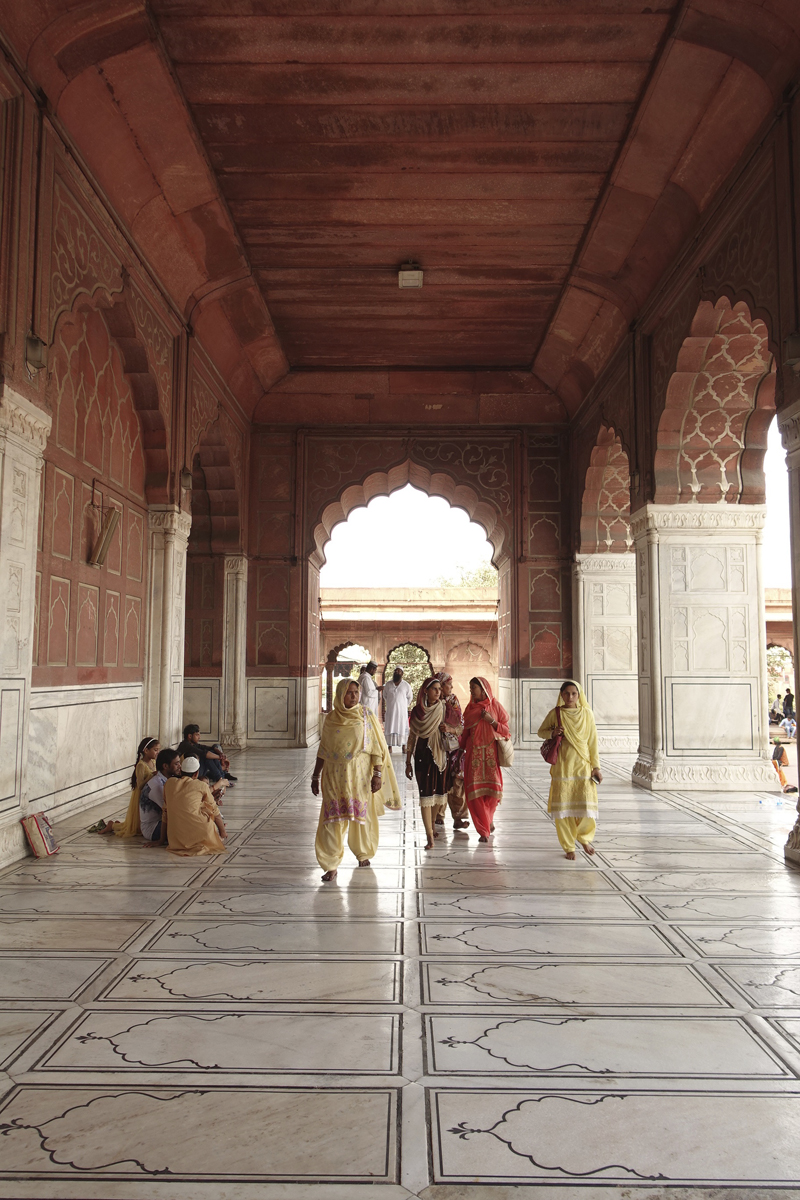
<point>505,752</point>
<point>39,833</point>
<point>552,745</point>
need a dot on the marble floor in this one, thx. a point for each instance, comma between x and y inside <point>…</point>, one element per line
<point>477,1021</point>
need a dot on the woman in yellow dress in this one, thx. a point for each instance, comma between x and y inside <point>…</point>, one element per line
<point>357,778</point>
<point>575,774</point>
<point>191,821</point>
<point>143,772</point>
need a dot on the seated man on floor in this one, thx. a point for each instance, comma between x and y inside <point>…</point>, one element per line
<point>151,797</point>
<point>213,763</point>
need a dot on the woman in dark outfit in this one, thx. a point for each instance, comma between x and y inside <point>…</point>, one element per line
<point>427,745</point>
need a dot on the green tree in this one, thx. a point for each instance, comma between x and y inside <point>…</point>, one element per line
<point>414,661</point>
<point>779,666</point>
<point>484,575</point>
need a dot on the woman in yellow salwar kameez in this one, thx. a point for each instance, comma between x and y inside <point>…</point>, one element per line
<point>143,772</point>
<point>575,774</point>
<point>358,781</point>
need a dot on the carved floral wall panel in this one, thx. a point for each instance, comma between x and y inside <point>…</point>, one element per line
<point>94,460</point>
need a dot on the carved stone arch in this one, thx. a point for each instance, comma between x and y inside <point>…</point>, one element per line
<point>409,642</point>
<point>124,340</point>
<point>335,651</point>
<point>720,402</point>
<point>216,524</point>
<point>606,504</point>
<point>383,483</point>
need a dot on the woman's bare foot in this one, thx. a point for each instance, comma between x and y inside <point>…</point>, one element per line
<point>587,847</point>
<point>429,845</point>
<point>492,828</point>
<point>440,820</point>
<point>363,862</point>
<point>329,876</point>
<point>460,824</point>
<point>570,854</point>
<point>483,839</point>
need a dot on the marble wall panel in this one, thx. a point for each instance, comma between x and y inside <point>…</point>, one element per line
<point>82,742</point>
<point>201,705</point>
<point>272,711</point>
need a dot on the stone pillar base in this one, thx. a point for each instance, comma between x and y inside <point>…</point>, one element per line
<point>704,775</point>
<point>233,741</point>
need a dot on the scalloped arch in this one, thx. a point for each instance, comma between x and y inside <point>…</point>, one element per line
<point>434,483</point>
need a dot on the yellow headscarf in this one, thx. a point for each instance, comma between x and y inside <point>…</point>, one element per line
<point>577,723</point>
<point>349,731</point>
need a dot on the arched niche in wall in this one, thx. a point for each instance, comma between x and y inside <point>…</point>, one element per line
<point>108,448</point>
<point>606,506</point>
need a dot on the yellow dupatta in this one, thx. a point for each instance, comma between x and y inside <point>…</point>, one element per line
<point>349,731</point>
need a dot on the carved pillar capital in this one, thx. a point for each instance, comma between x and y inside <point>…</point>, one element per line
<point>171,521</point>
<point>24,423</point>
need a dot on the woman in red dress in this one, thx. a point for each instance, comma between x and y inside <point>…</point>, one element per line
<point>485,720</point>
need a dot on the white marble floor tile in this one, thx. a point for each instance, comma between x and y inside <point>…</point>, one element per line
<point>322,903</point>
<point>216,981</point>
<point>67,933</point>
<point>279,937</point>
<point>193,1134</point>
<point>745,941</point>
<point>367,878</point>
<point>594,984</point>
<point>554,939</point>
<point>166,873</point>
<point>580,881</point>
<point>250,1043</point>
<point>18,1028</point>
<point>751,908</point>
<point>511,905</point>
<point>670,859</point>
<point>650,1047</point>
<point>779,882</point>
<point>765,985</point>
<point>49,977</point>
<point>85,900</point>
<point>714,1139</point>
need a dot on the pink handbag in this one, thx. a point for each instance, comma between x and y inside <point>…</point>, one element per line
<point>551,747</point>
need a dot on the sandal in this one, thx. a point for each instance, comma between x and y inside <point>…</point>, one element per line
<point>98,825</point>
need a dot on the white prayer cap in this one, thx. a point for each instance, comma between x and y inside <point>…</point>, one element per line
<point>190,764</point>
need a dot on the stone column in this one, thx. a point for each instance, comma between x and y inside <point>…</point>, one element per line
<point>604,645</point>
<point>233,702</point>
<point>789,424</point>
<point>168,535</point>
<point>24,430</point>
<point>702,648</point>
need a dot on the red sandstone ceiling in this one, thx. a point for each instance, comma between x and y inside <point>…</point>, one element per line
<point>474,138</point>
<point>276,160</point>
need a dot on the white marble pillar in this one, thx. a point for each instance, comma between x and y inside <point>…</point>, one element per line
<point>789,424</point>
<point>168,535</point>
<point>233,708</point>
<point>24,429</point>
<point>702,648</point>
<point>604,645</point>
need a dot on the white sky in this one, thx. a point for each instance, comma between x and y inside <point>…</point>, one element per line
<point>409,539</point>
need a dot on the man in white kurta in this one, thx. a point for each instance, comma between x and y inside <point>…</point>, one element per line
<point>370,694</point>
<point>398,698</point>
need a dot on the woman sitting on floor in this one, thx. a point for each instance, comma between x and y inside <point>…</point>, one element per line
<point>143,772</point>
<point>358,781</point>
<point>192,821</point>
